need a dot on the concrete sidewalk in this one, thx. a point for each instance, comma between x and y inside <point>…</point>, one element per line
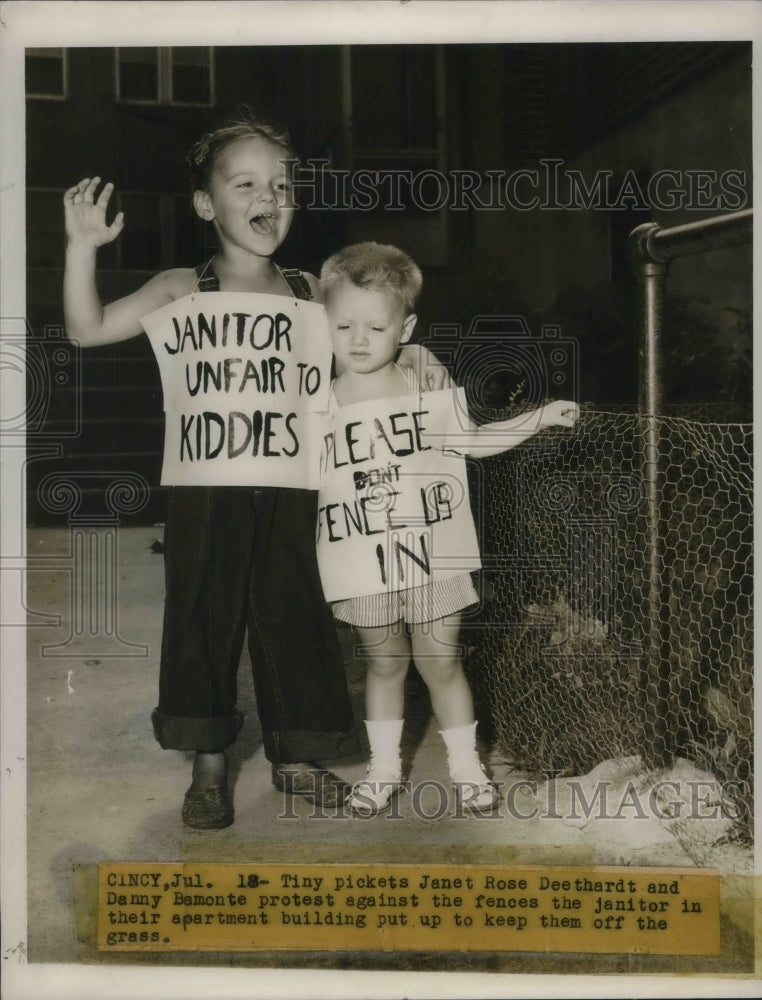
<point>100,788</point>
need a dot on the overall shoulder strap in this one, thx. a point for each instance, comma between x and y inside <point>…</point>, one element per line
<point>207,279</point>
<point>294,278</point>
<point>296,281</point>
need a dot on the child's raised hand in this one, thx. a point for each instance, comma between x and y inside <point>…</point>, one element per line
<point>85,216</point>
<point>560,413</point>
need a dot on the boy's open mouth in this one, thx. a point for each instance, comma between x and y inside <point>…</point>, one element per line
<point>264,224</point>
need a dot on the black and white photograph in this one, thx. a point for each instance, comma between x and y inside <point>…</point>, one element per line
<point>377,499</point>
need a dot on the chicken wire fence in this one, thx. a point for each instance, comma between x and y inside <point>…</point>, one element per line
<point>566,663</point>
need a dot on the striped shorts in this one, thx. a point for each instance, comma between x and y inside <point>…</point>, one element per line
<point>416,605</point>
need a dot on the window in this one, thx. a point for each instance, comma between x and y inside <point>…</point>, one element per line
<point>46,73</point>
<point>45,239</point>
<point>137,75</point>
<point>405,78</point>
<point>398,77</point>
<point>148,242</point>
<point>191,76</point>
<point>165,76</point>
<point>140,244</point>
<point>394,128</point>
<point>161,231</point>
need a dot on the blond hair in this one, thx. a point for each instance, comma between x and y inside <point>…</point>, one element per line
<point>244,124</point>
<point>374,265</point>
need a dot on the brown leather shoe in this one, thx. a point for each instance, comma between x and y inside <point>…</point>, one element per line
<point>312,781</point>
<point>208,809</point>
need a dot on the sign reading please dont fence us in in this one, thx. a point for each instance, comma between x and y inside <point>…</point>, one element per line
<point>394,510</point>
<point>243,376</point>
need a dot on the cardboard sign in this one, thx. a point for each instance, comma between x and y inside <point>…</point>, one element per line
<point>243,375</point>
<point>394,510</point>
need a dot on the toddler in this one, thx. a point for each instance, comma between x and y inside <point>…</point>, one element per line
<point>369,291</point>
<point>238,559</point>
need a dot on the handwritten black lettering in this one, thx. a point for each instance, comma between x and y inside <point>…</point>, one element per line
<point>290,421</point>
<point>209,435</point>
<point>235,450</point>
<point>213,420</point>
<point>398,434</point>
<point>264,332</point>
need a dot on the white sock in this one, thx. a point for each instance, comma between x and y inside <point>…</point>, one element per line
<point>384,736</point>
<point>462,755</point>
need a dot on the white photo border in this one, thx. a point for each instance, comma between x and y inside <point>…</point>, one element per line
<point>72,24</point>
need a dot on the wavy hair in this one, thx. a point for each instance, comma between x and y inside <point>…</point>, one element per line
<point>244,123</point>
<point>379,266</point>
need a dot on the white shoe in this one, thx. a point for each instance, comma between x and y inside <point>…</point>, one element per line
<point>374,794</point>
<point>475,791</point>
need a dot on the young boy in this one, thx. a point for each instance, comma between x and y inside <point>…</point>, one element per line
<point>239,559</point>
<point>235,556</point>
<point>369,291</point>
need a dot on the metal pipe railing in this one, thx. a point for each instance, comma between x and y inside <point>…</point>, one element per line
<point>652,248</point>
<point>651,243</point>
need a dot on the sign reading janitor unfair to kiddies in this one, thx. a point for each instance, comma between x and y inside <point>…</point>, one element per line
<point>243,375</point>
<point>394,510</point>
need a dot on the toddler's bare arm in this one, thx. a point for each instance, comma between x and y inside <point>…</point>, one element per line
<point>501,435</point>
